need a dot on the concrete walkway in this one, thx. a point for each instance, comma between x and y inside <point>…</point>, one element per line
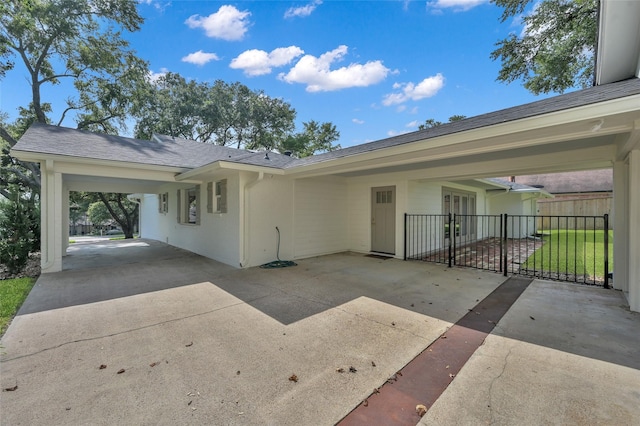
<point>187,340</point>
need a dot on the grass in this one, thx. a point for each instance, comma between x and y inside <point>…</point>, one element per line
<point>12,294</point>
<point>564,248</point>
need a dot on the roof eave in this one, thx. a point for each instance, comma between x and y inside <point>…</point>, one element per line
<point>219,165</point>
<point>582,114</point>
<point>40,157</point>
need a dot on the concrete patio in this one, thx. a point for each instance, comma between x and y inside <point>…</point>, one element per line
<point>187,340</point>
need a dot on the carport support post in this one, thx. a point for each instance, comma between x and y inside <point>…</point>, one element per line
<point>51,218</point>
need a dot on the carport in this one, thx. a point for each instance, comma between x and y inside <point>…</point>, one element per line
<point>155,334</point>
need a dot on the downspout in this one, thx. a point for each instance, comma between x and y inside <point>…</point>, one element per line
<point>245,218</point>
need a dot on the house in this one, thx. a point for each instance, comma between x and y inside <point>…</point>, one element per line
<point>245,208</point>
<point>579,193</point>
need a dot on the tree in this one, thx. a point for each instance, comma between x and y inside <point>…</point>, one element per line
<point>430,122</point>
<point>75,41</point>
<point>556,50</point>
<point>314,138</point>
<point>226,114</point>
<point>222,113</point>
<point>108,206</point>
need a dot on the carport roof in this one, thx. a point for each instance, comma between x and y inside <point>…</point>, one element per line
<point>41,140</point>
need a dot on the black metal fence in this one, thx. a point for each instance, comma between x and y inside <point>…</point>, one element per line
<point>562,248</point>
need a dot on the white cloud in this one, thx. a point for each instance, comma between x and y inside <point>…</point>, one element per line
<point>200,57</point>
<point>392,132</point>
<point>155,76</point>
<point>357,121</point>
<point>156,4</point>
<point>316,73</point>
<point>456,5</point>
<point>258,62</point>
<point>410,91</point>
<point>302,11</point>
<point>228,23</point>
<point>412,124</point>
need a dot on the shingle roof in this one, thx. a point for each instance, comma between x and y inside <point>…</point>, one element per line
<point>164,151</point>
<point>575,99</point>
<point>186,154</point>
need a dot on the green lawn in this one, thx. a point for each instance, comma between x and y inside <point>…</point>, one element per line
<point>12,294</point>
<point>563,249</point>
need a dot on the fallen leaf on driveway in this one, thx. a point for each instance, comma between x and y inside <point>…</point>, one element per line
<point>365,403</point>
<point>120,371</point>
<point>188,344</point>
<point>531,317</point>
<point>293,378</point>
<point>421,409</point>
<point>373,364</point>
<point>153,364</point>
<point>340,370</point>
<point>352,369</point>
<point>10,389</point>
<point>102,367</point>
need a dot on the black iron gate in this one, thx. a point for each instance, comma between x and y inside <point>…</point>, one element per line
<point>563,248</point>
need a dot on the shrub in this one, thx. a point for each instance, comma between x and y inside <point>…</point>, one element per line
<point>16,231</point>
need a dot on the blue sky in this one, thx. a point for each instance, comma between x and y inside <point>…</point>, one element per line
<point>373,68</point>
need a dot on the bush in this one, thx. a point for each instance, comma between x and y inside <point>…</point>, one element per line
<point>17,218</point>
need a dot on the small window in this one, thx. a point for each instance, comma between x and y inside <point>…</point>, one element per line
<point>221,196</point>
<point>189,205</point>
<point>384,197</point>
<point>163,203</point>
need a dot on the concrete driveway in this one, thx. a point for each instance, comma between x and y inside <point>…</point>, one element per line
<point>138,332</point>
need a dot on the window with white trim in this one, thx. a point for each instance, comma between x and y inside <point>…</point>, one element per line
<point>217,196</point>
<point>189,205</point>
<point>163,203</point>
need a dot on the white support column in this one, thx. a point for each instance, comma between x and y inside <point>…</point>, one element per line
<point>634,229</point>
<point>51,218</point>
<point>620,224</point>
<point>65,220</point>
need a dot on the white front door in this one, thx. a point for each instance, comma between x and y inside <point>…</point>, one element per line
<point>383,219</point>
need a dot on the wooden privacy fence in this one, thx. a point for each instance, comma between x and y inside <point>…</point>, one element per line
<point>563,248</point>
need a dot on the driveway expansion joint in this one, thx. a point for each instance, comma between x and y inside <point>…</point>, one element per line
<point>428,375</point>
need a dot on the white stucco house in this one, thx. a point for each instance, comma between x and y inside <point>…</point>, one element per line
<point>225,203</point>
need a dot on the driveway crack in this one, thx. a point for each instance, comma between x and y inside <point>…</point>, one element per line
<point>89,339</point>
<point>493,382</point>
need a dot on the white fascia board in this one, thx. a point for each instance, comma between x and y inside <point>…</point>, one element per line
<point>226,165</point>
<point>36,157</point>
<point>589,115</point>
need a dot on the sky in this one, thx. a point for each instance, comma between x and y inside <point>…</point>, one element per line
<point>374,69</point>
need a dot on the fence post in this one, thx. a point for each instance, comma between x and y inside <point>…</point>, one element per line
<point>450,237</point>
<point>504,256</point>
<point>501,244</point>
<point>606,251</point>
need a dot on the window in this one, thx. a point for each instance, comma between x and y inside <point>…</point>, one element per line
<point>163,203</point>
<point>384,197</point>
<point>189,205</point>
<point>220,195</point>
<point>463,206</point>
